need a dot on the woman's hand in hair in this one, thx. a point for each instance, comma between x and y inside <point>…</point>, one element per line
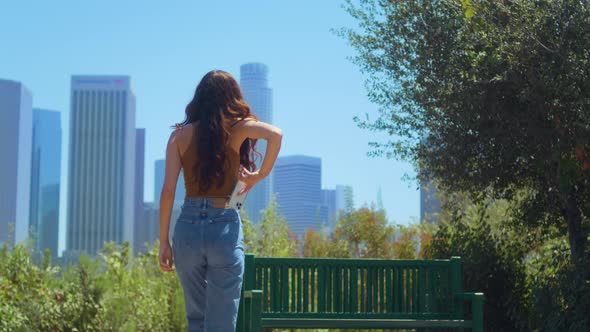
<point>249,178</point>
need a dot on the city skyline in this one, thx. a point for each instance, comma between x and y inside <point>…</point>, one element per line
<point>99,98</point>
<point>96,98</point>
<point>317,90</point>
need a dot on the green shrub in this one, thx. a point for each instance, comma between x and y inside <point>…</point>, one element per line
<point>560,295</point>
<point>492,256</point>
<point>113,292</point>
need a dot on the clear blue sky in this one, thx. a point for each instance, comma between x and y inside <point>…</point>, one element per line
<point>166,47</point>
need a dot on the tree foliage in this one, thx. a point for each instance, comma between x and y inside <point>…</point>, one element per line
<point>526,273</point>
<point>320,244</point>
<point>271,237</point>
<point>366,233</point>
<point>492,255</point>
<point>485,94</point>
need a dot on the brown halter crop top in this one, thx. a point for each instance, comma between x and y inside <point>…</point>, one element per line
<point>232,164</point>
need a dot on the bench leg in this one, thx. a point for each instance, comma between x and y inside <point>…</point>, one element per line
<point>240,322</point>
<point>477,309</point>
<point>256,312</point>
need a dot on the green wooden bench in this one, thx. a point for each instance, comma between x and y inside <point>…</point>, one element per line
<point>326,293</point>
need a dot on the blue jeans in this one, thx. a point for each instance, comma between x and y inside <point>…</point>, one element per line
<point>208,248</point>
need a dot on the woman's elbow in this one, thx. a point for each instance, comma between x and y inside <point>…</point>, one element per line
<point>277,134</point>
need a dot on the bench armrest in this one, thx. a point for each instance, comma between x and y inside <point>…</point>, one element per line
<point>253,300</point>
<point>477,300</point>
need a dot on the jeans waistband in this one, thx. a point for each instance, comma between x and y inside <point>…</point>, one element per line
<point>202,207</point>
<point>199,202</point>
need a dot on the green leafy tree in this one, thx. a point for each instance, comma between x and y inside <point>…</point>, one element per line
<point>250,236</point>
<point>366,232</point>
<point>315,244</point>
<point>407,243</point>
<point>492,252</point>
<point>273,237</point>
<point>320,244</point>
<point>557,300</point>
<point>485,94</point>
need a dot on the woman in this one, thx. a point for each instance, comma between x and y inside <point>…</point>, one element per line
<point>213,147</point>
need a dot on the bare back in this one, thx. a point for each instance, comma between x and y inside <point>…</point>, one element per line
<point>237,133</point>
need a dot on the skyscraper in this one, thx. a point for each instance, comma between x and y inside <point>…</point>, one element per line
<point>335,202</point>
<point>16,123</point>
<point>298,183</point>
<point>101,163</point>
<point>429,203</point>
<point>139,228</point>
<point>328,202</point>
<point>254,84</point>
<point>344,198</point>
<point>45,178</point>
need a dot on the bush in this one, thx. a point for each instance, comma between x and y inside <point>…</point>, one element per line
<point>492,259</point>
<point>113,292</point>
<point>560,295</point>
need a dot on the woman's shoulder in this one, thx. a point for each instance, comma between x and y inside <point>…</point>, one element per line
<point>181,128</point>
<point>243,121</point>
<point>182,132</point>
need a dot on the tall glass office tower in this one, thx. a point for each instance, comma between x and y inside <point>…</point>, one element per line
<point>328,208</point>
<point>16,122</point>
<point>335,202</point>
<point>344,198</point>
<point>101,163</point>
<point>139,225</point>
<point>298,186</point>
<point>45,178</point>
<point>254,84</point>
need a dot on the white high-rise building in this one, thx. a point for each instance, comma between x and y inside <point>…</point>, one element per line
<point>298,186</point>
<point>101,186</point>
<point>254,84</point>
<point>16,123</point>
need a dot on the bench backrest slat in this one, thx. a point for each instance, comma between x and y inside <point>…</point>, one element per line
<point>353,286</point>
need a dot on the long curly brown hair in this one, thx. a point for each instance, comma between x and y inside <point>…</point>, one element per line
<point>217,97</point>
